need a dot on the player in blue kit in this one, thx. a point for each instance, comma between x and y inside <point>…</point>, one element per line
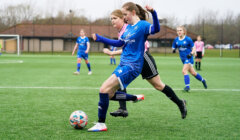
<point>83,48</point>
<point>112,58</point>
<point>186,49</point>
<point>131,62</point>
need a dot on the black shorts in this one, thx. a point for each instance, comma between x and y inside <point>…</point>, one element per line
<point>199,55</point>
<point>149,67</point>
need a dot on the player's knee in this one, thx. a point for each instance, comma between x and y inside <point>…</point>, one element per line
<point>184,72</point>
<point>159,86</point>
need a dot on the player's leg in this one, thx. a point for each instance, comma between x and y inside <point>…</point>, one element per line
<point>114,60</point>
<point>122,110</point>
<point>88,64</point>
<point>121,78</point>
<point>106,91</point>
<point>198,77</point>
<point>185,69</point>
<point>111,59</point>
<point>196,64</point>
<point>78,65</point>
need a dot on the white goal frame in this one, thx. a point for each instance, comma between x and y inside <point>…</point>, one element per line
<point>18,40</point>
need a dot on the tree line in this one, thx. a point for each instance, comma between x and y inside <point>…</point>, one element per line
<point>213,29</point>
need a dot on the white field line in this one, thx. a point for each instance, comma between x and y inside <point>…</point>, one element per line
<point>10,61</point>
<point>96,88</point>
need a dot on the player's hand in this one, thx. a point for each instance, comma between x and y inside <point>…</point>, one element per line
<point>189,56</point>
<point>72,53</point>
<point>86,52</point>
<point>149,8</point>
<point>94,37</point>
<point>174,51</point>
<point>106,51</point>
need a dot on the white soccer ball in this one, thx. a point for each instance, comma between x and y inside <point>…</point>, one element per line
<point>78,119</point>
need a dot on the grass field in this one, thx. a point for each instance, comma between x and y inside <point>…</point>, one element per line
<point>39,92</point>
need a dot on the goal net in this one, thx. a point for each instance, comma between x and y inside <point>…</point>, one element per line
<point>9,44</point>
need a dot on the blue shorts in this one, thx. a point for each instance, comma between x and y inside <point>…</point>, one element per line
<point>185,60</point>
<point>126,74</point>
<point>82,55</point>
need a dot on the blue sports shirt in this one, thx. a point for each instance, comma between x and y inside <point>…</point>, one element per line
<point>82,44</point>
<point>133,40</point>
<point>184,46</point>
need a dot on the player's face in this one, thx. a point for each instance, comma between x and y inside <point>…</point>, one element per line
<point>82,34</point>
<point>180,32</point>
<point>116,22</point>
<point>127,15</point>
<point>199,38</point>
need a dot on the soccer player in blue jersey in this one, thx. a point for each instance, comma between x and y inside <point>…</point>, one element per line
<point>83,48</point>
<point>149,71</point>
<point>131,61</point>
<point>186,49</point>
<point>112,58</point>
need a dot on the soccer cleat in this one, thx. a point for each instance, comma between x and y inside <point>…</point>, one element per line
<point>119,112</point>
<point>204,84</point>
<point>139,98</point>
<point>98,127</point>
<point>186,89</point>
<point>76,73</point>
<point>183,109</point>
<point>90,72</point>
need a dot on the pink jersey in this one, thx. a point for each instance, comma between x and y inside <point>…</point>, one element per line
<point>199,46</point>
<point>123,30</point>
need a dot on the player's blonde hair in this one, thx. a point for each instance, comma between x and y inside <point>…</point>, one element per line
<point>117,13</point>
<point>183,28</point>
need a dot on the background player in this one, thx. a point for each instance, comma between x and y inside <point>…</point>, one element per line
<point>186,49</point>
<point>130,66</point>
<point>149,71</point>
<point>199,44</point>
<point>83,48</point>
<point>112,58</point>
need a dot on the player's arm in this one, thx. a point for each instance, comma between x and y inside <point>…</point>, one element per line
<point>155,27</point>
<point>174,46</point>
<point>75,47</point>
<point>111,53</point>
<point>88,47</point>
<point>116,43</point>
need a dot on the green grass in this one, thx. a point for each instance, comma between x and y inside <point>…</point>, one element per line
<point>38,96</point>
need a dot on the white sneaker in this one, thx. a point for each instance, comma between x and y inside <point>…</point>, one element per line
<point>76,73</point>
<point>90,72</point>
<point>98,127</point>
<point>139,98</point>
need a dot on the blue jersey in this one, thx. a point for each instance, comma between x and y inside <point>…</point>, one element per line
<point>134,38</point>
<point>82,44</point>
<point>184,46</point>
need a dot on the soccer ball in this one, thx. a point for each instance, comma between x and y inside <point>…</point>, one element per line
<point>78,119</point>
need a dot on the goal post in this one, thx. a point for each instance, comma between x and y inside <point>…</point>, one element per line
<point>10,43</point>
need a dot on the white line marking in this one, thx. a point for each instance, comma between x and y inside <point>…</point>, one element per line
<point>96,88</point>
<point>11,61</point>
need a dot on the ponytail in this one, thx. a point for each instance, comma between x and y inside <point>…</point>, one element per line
<point>141,13</point>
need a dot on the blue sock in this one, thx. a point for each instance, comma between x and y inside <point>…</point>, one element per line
<point>89,67</point>
<point>110,60</point>
<point>103,107</point>
<point>114,61</point>
<point>199,77</point>
<point>78,66</point>
<point>122,96</point>
<point>187,80</point>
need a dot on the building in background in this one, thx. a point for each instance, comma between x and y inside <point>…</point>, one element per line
<point>62,38</point>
